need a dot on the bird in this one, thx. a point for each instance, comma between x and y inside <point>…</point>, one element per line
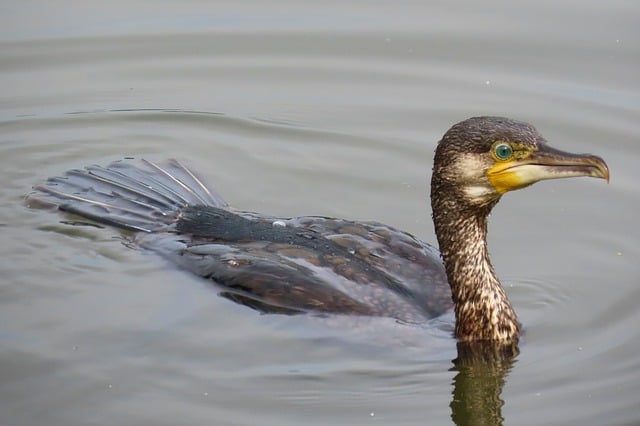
<point>323,266</point>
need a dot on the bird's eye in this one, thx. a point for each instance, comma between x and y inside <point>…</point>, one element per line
<point>502,151</point>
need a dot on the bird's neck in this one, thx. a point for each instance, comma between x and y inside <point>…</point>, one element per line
<point>483,311</point>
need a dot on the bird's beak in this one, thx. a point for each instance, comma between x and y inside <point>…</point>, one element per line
<point>544,163</point>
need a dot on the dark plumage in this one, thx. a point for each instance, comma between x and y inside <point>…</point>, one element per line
<point>323,265</point>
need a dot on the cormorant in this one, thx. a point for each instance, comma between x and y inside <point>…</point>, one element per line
<point>325,265</point>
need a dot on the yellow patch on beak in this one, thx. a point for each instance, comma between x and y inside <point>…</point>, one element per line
<point>509,176</point>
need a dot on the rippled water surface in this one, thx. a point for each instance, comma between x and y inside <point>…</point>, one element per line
<point>332,109</point>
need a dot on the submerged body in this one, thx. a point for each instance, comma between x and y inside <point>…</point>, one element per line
<point>275,265</point>
<point>324,265</point>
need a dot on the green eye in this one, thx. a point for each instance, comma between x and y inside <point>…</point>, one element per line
<point>503,151</point>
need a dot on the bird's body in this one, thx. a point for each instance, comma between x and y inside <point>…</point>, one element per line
<point>325,265</point>
<point>286,265</point>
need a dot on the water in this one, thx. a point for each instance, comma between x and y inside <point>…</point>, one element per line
<point>329,109</point>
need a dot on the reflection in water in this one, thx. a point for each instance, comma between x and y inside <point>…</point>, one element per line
<point>482,368</point>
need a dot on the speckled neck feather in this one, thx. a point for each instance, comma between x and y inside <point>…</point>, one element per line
<point>483,311</point>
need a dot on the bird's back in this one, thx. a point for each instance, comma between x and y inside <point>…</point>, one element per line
<point>292,265</point>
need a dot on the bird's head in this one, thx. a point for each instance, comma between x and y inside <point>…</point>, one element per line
<point>484,157</point>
